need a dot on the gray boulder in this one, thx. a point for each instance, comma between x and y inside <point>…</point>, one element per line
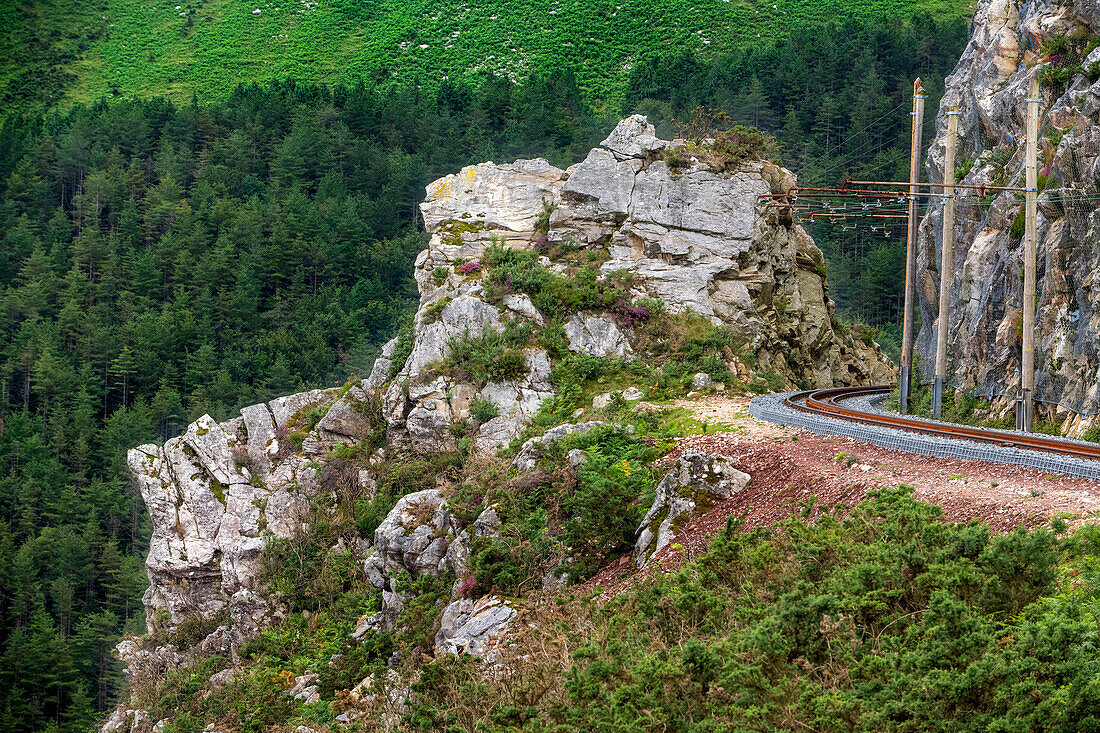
<point>633,138</point>
<point>127,720</point>
<point>415,534</point>
<point>701,380</point>
<point>474,627</point>
<point>694,484</point>
<point>380,373</point>
<point>347,418</point>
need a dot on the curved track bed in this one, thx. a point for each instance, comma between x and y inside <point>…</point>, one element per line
<point>827,402</point>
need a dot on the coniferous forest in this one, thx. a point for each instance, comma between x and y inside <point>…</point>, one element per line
<point>169,260</point>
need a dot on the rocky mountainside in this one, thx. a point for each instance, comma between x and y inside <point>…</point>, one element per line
<point>649,257</point>
<point>641,220</point>
<point>1011,43</point>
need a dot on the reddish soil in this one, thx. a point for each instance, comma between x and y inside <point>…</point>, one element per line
<point>791,466</point>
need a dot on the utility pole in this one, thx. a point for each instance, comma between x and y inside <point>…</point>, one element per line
<point>911,249</point>
<point>946,264</point>
<point>1027,357</point>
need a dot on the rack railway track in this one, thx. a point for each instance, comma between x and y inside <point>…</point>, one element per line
<point>827,402</point>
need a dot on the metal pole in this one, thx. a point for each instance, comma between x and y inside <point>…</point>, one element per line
<point>946,265</point>
<point>1027,360</point>
<point>911,249</point>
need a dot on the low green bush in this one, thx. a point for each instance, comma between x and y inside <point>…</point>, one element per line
<point>483,410</point>
<point>490,356</point>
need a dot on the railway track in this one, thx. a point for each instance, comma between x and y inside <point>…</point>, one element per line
<point>828,402</point>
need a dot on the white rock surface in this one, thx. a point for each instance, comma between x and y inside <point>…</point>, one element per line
<point>989,86</point>
<point>596,336</point>
<point>529,452</point>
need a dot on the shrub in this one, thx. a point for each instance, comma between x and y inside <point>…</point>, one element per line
<point>542,224</point>
<point>502,564</point>
<point>435,311</point>
<point>403,348</point>
<point>484,410</point>
<point>508,366</point>
<point>488,357</point>
<point>605,508</point>
<point>470,268</point>
<point>242,458</point>
<point>734,147</point>
<point>627,314</point>
<point>1019,222</point>
<point>440,275</point>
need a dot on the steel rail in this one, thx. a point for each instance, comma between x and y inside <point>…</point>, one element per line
<point>826,402</point>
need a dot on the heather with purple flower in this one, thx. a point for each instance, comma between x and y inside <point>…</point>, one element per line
<point>628,314</point>
<point>470,268</point>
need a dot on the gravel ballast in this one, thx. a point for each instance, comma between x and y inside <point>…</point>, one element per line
<point>771,408</point>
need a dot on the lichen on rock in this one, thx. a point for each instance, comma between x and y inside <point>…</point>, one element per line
<point>690,488</point>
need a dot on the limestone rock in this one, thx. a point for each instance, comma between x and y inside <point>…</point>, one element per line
<point>474,627</point>
<point>348,417</point>
<point>415,534</point>
<point>601,401</point>
<point>596,336</point>
<point>304,688</point>
<point>697,481</point>
<point>989,86</point>
<point>517,401</point>
<point>127,720</point>
<point>381,370</point>
<point>633,137</point>
<point>219,680</point>
<point>605,182</point>
<point>487,523</point>
<point>508,197</point>
<point>465,315</point>
<point>529,452</point>
<point>521,303</point>
<point>701,380</point>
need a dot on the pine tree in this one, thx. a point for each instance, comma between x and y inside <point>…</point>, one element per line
<point>122,370</point>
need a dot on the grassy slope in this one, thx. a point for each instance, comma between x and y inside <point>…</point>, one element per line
<point>206,47</point>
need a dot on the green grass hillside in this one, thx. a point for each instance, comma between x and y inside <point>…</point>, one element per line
<point>73,51</point>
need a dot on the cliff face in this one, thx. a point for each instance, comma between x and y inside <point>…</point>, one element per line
<point>690,237</point>
<point>1011,42</point>
<point>619,231</point>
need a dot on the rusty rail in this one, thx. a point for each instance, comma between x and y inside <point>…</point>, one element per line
<point>826,402</point>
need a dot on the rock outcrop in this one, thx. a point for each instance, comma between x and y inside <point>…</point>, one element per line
<point>419,536</point>
<point>694,484</point>
<point>686,235</point>
<point>690,237</point>
<point>989,86</point>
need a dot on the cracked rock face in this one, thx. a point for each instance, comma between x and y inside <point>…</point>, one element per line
<point>990,86</point>
<point>212,494</point>
<point>474,627</point>
<point>696,482</point>
<point>690,237</point>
